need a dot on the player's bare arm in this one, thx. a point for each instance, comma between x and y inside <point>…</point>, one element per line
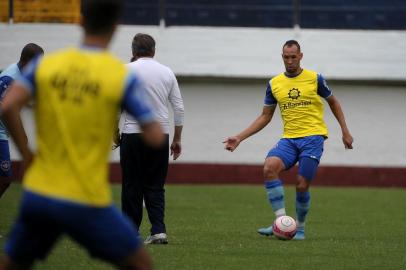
<point>11,107</point>
<point>152,134</point>
<point>231,143</point>
<point>339,115</point>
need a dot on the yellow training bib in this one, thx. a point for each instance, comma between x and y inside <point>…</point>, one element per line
<point>300,105</point>
<point>77,98</point>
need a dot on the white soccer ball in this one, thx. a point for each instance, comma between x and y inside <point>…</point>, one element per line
<point>284,227</point>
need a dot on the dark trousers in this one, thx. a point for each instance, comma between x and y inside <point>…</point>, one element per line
<point>144,171</point>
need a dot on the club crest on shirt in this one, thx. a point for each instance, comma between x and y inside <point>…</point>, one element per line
<point>294,93</point>
<point>5,165</point>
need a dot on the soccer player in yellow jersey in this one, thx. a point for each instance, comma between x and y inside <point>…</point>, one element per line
<point>78,93</point>
<point>298,93</point>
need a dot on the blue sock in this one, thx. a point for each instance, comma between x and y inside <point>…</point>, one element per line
<point>302,207</point>
<point>276,196</point>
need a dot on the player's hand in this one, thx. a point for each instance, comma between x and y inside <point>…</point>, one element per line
<point>176,149</point>
<point>116,139</point>
<point>347,140</point>
<point>231,143</point>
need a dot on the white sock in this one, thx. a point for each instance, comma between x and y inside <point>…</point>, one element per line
<point>280,212</point>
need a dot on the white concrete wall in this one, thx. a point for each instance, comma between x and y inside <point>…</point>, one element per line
<point>375,116</point>
<point>236,52</point>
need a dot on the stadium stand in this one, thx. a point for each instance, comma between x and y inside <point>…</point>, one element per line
<point>334,14</point>
<point>360,14</point>
<point>3,10</point>
<point>143,12</point>
<point>58,11</point>
<point>259,13</point>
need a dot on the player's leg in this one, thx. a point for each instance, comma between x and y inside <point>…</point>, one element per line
<point>7,264</point>
<point>138,259</point>
<point>5,166</point>
<point>302,202</point>
<point>132,177</point>
<point>33,234</point>
<point>156,164</point>
<point>274,189</point>
<point>279,158</point>
<point>4,184</point>
<point>273,185</point>
<point>311,151</point>
<point>107,234</point>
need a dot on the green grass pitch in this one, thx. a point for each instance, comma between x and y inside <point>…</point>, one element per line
<point>214,227</point>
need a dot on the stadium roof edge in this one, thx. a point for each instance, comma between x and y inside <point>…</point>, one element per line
<point>250,80</point>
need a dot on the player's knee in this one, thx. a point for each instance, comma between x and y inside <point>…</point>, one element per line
<point>139,260</point>
<point>302,184</point>
<point>271,171</point>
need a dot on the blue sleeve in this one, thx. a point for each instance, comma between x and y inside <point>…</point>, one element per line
<point>322,88</point>
<point>27,78</point>
<point>5,82</point>
<point>269,98</point>
<point>136,102</point>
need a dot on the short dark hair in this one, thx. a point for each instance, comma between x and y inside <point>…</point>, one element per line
<point>291,43</point>
<point>143,45</point>
<point>29,52</point>
<point>100,16</point>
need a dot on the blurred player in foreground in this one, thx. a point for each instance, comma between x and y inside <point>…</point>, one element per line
<point>7,77</point>
<point>144,168</point>
<point>297,91</point>
<point>78,93</point>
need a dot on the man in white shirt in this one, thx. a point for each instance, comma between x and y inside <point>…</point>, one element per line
<point>144,168</point>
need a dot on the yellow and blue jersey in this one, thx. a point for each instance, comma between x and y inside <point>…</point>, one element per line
<point>300,104</point>
<point>78,93</point>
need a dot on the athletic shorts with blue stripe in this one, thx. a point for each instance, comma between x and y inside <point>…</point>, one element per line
<point>307,150</point>
<point>103,231</point>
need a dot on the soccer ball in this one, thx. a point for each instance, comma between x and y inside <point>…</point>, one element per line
<point>284,227</point>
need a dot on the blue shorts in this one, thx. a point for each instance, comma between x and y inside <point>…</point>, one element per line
<point>291,151</point>
<point>103,231</point>
<point>5,163</point>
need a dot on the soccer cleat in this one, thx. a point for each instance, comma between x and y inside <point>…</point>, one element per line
<point>300,235</point>
<point>159,238</point>
<point>265,231</point>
